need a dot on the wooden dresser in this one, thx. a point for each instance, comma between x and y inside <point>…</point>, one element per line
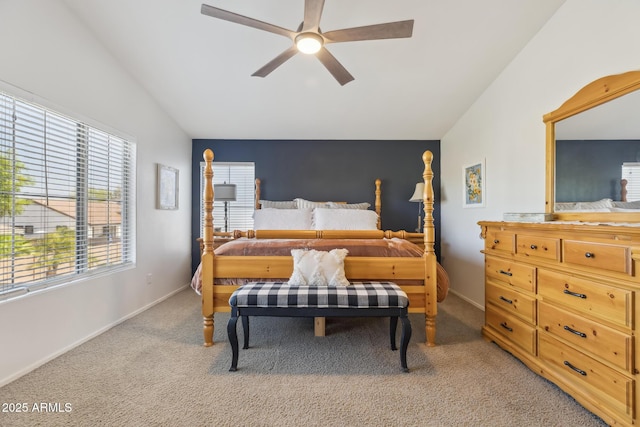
<point>562,298</point>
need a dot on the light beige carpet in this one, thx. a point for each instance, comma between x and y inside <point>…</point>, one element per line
<point>152,370</point>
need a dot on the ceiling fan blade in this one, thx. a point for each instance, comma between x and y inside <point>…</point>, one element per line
<point>276,62</point>
<point>243,20</point>
<point>335,68</point>
<point>312,14</point>
<point>390,30</point>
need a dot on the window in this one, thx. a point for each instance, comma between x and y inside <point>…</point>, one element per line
<point>61,179</point>
<point>240,212</point>
<point>631,172</point>
<point>109,231</point>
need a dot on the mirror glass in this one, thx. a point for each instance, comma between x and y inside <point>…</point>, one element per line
<point>591,148</point>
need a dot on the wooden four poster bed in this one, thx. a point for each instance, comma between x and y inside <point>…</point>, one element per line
<point>417,274</point>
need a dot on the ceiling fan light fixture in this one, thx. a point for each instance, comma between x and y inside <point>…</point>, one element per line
<point>310,40</point>
<point>309,43</point>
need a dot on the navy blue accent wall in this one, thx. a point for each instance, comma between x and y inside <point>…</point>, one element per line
<point>330,170</point>
<point>591,170</point>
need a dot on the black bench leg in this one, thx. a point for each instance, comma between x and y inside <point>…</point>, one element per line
<point>404,341</point>
<point>393,325</point>
<point>245,328</point>
<point>233,338</point>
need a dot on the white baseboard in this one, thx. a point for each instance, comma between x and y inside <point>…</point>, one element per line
<point>462,297</point>
<point>52,356</point>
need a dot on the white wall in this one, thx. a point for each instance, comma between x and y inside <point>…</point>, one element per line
<point>584,40</point>
<point>46,51</point>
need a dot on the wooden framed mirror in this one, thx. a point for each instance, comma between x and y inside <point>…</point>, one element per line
<point>602,110</point>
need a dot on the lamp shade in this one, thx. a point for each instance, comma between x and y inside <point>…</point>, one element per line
<point>418,194</point>
<point>224,192</point>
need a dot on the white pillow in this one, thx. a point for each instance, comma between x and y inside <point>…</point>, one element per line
<point>627,205</point>
<point>306,204</point>
<point>318,268</point>
<point>334,205</point>
<point>623,210</point>
<point>345,219</point>
<point>565,206</point>
<point>288,204</point>
<point>282,219</point>
<point>602,205</point>
<point>599,204</point>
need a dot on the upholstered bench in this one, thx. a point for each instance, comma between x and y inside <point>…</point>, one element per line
<point>359,299</point>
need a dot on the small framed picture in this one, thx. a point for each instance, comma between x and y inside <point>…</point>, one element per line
<point>167,191</point>
<point>473,180</point>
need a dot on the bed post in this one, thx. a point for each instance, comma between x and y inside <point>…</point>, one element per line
<point>431,268</point>
<point>207,253</point>
<point>256,194</point>
<point>378,202</point>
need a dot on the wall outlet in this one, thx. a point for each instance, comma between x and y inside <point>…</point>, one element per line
<point>149,278</point>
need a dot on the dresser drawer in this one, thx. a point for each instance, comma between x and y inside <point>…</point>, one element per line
<point>510,327</point>
<point>511,301</point>
<point>614,389</point>
<point>537,246</point>
<point>514,274</point>
<point>499,241</point>
<point>598,255</point>
<point>608,344</point>
<point>595,299</point>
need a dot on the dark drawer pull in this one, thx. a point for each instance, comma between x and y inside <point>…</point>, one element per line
<point>504,325</point>
<point>506,300</point>
<point>574,294</point>
<point>573,331</point>
<point>590,255</point>
<point>534,247</point>
<point>580,371</point>
<point>496,241</point>
<point>506,273</point>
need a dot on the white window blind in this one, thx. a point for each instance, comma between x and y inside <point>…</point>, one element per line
<point>66,198</point>
<point>631,172</point>
<point>240,212</point>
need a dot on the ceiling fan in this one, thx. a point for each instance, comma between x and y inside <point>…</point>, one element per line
<point>310,40</point>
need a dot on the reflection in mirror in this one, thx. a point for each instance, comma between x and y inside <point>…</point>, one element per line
<point>591,148</point>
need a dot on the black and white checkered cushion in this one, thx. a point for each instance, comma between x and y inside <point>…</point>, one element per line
<point>356,295</point>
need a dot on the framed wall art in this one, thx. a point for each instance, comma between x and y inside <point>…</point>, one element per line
<point>167,191</point>
<point>473,180</point>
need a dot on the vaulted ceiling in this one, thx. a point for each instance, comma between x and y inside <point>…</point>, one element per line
<point>199,68</point>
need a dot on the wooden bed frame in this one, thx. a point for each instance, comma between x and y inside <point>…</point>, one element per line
<point>422,298</point>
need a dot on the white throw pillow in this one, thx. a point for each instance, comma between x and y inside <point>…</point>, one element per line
<point>282,219</point>
<point>345,219</point>
<point>318,268</point>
